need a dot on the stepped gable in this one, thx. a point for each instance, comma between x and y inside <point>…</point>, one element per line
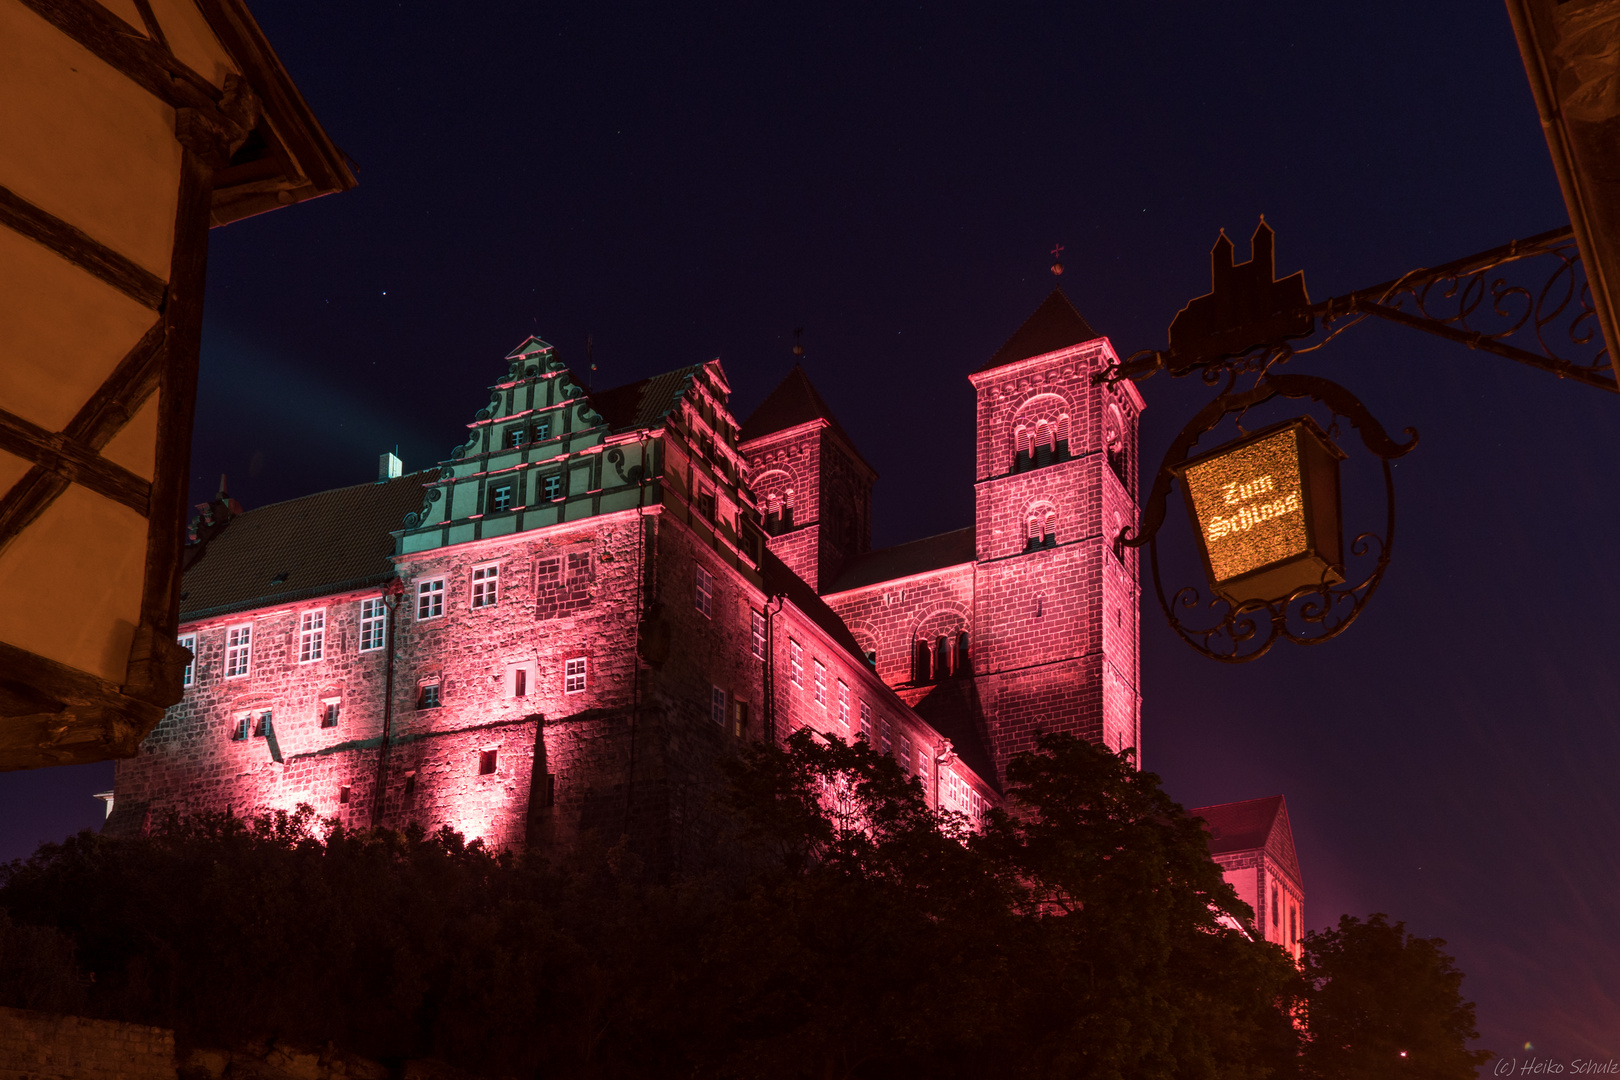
<point>1054,325</point>
<point>793,402</point>
<point>1252,825</point>
<point>329,542</point>
<point>903,560</point>
<point>644,403</point>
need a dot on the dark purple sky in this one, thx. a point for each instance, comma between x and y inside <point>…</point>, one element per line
<point>685,182</point>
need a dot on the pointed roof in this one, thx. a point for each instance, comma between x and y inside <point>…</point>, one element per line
<point>642,404</point>
<point>793,402</point>
<point>1054,325</point>
<point>531,346</point>
<point>1252,825</point>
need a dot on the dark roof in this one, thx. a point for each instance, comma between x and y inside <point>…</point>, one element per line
<point>793,402</point>
<point>780,579</point>
<point>902,560</point>
<point>644,403</point>
<point>1251,825</point>
<point>324,543</point>
<point>950,707</point>
<point>1054,325</point>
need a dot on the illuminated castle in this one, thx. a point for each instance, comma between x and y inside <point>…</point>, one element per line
<point>564,626</point>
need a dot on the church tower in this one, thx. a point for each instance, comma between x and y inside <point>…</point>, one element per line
<point>813,488</point>
<point>1055,603</point>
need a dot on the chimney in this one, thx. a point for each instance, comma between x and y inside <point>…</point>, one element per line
<point>388,467</point>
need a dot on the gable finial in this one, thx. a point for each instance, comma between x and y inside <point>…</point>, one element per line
<point>798,345</point>
<point>1057,261</point>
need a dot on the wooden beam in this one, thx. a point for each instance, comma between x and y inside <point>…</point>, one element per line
<point>154,29</point>
<point>74,462</point>
<point>102,417</point>
<point>75,717</point>
<point>81,249</point>
<point>151,67</point>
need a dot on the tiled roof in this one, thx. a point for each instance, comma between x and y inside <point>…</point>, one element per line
<point>1054,325</point>
<point>950,707</point>
<point>1251,825</point>
<point>793,402</point>
<point>644,403</point>
<point>780,579</point>
<point>902,560</point>
<point>328,542</point>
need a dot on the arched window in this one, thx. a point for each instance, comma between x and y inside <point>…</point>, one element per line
<point>1032,532</point>
<point>1021,454</point>
<point>961,667</point>
<point>1063,453</point>
<point>787,509</point>
<point>922,668</point>
<point>1049,529</point>
<point>1043,444</point>
<point>942,658</point>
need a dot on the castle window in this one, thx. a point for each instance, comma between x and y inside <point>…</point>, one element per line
<point>311,635</point>
<point>787,509</point>
<point>542,430</point>
<point>758,620</point>
<point>866,720</point>
<point>1049,529</point>
<point>905,753</point>
<point>410,783</point>
<point>942,658</point>
<point>343,795</point>
<point>429,599</point>
<point>1276,914</point>
<point>1062,448</point>
<point>922,664</point>
<point>705,592</point>
<point>485,585</point>
<point>795,662</point>
<point>961,666</point>
<point>552,487</point>
<point>922,769</point>
<point>843,705</point>
<point>705,500</point>
<point>373,620</point>
<point>486,762</point>
<point>241,725</point>
<point>574,676</point>
<point>773,515</point>
<point>329,712</point>
<point>516,436</point>
<point>189,641</point>
<point>261,725</point>
<point>238,651</point>
<point>739,716</point>
<point>427,696</point>
<point>886,745</point>
<point>1023,447</point>
<point>821,684</point>
<point>520,683</point>
<point>1114,443</point>
<point>501,499</point>
<point>717,706</point>
<point>1044,451</point>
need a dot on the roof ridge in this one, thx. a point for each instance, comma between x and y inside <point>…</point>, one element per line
<point>330,491</point>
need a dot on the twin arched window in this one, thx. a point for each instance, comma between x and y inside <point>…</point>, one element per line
<point>1043,441</point>
<point>1040,529</point>
<point>938,658</point>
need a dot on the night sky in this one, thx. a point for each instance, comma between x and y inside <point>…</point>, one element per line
<point>682,182</point>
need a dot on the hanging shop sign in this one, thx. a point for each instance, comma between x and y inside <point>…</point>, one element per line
<point>1267,512</point>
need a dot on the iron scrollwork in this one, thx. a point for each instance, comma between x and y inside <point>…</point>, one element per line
<point>1309,615</point>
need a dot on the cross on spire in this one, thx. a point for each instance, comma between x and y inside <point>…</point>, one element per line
<point>1057,261</point>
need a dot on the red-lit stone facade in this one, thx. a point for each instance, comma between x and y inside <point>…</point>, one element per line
<point>600,594</point>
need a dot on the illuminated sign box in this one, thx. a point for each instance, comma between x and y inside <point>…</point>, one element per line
<point>1267,512</point>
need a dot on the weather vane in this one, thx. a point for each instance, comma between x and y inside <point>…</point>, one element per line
<point>1057,261</point>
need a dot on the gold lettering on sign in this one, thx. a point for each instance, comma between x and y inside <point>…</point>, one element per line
<point>1250,506</point>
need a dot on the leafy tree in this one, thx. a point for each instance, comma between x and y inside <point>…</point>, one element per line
<point>1383,1003</point>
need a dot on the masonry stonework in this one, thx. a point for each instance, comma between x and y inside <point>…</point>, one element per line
<point>566,626</point>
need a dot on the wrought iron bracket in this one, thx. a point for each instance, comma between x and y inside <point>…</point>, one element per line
<point>1309,615</point>
<point>1462,301</point>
